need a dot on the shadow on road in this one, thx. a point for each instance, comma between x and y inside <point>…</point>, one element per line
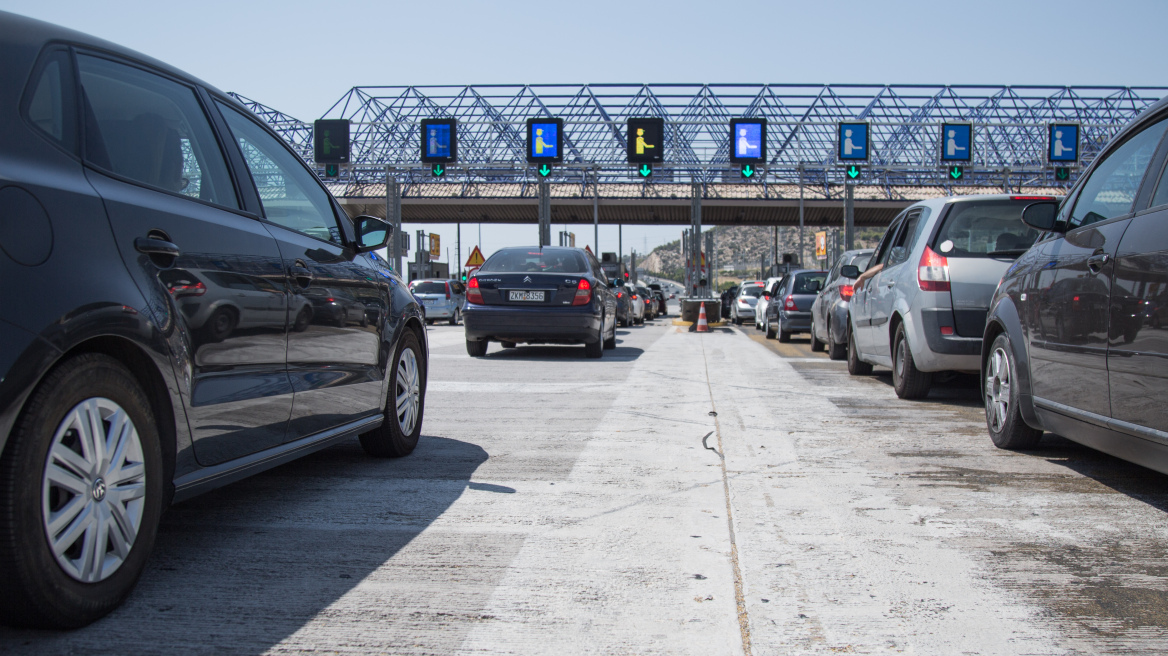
<point>542,353</point>
<point>239,569</point>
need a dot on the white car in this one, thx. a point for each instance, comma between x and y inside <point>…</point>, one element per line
<point>761,307</point>
<point>743,306</point>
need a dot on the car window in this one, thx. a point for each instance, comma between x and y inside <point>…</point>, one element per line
<point>903,241</point>
<point>429,288</point>
<point>152,130</point>
<point>834,272</point>
<point>885,242</point>
<point>50,105</point>
<point>984,228</point>
<point>753,290</point>
<point>861,261</point>
<point>1161,196</point>
<point>546,260</point>
<point>804,281</point>
<point>1112,187</point>
<point>289,193</point>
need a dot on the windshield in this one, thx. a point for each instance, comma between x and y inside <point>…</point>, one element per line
<point>429,288</point>
<point>754,291</point>
<point>530,260</point>
<point>982,229</point>
<point>803,282</point>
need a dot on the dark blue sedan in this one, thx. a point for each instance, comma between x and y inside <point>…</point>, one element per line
<point>533,295</point>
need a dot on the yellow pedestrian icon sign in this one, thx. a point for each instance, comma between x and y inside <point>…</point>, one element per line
<point>476,258</point>
<point>545,140</point>
<point>646,140</point>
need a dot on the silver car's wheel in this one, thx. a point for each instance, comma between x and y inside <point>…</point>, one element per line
<point>93,490</point>
<point>408,392</point>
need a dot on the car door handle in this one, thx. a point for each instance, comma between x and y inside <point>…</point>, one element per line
<point>151,246</point>
<point>300,272</point>
<point>1097,261</point>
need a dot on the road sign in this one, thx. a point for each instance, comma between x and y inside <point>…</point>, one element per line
<point>1062,173</point>
<point>646,141</point>
<point>476,259</point>
<point>332,170</point>
<point>435,245</point>
<point>645,170</point>
<point>748,171</point>
<point>748,141</point>
<point>853,142</point>
<point>589,249</point>
<point>956,142</point>
<point>437,170</point>
<point>439,140</point>
<point>821,245</point>
<point>1063,145</point>
<point>853,172</point>
<point>956,172</point>
<point>544,170</point>
<point>545,140</point>
<point>330,141</point>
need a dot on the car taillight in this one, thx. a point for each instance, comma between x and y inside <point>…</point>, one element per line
<point>197,289</point>
<point>846,292</point>
<point>330,300</point>
<point>620,294</point>
<point>583,293</point>
<point>473,293</point>
<point>789,303</point>
<point>448,291</point>
<point>933,272</point>
<point>634,296</point>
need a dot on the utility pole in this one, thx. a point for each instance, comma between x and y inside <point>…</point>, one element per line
<point>393,215</point>
<point>596,213</point>
<point>545,214</point>
<point>800,213</point>
<point>695,242</point>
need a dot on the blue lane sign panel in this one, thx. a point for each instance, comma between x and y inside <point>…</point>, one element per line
<point>439,140</point>
<point>853,142</point>
<point>748,140</point>
<point>956,142</point>
<point>1064,142</point>
<point>545,140</point>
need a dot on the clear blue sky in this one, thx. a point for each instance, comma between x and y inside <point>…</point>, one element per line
<point>300,57</point>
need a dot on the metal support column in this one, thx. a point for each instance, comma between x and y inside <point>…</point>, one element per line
<point>695,243</point>
<point>800,214</point>
<point>596,214</point>
<point>849,217</point>
<point>545,214</point>
<point>685,251</point>
<point>709,286</point>
<point>393,215</point>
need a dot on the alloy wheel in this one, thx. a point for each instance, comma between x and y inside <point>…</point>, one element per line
<point>93,490</point>
<point>408,391</point>
<point>997,387</point>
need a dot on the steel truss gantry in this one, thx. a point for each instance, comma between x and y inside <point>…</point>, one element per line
<point>1009,126</point>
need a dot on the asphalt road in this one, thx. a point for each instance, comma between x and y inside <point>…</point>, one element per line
<point>559,505</point>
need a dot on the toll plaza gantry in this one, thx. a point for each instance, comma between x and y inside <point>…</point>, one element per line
<point>693,154</point>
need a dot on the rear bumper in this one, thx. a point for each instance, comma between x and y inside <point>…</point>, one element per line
<point>531,325</point>
<point>931,322</point>
<point>795,322</point>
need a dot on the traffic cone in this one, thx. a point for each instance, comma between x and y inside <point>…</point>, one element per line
<point>703,327</point>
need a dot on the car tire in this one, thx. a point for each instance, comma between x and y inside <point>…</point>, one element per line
<point>41,588</point>
<point>610,343</point>
<point>594,350</point>
<point>476,349</point>
<point>908,381</point>
<point>507,345</point>
<point>220,324</point>
<point>1007,428</point>
<point>303,319</point>
<point>835,351</point>
<point>364,320</point>
<point>454,317</point>
<point>856,366</point>
<point>405,405</point>
<point>770,333</point>
<point>816,345</point>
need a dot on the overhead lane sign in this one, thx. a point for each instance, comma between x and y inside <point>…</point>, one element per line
<point>748,144</point>
<point>646,140</point>
<point>853,142</point>
<point>1063,145</point>
<point>545,140</point>
<point>956,142</point>
<point>439,141</point>
<point>330,141</point>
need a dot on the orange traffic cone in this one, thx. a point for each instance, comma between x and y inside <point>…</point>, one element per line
<point>703,327</point>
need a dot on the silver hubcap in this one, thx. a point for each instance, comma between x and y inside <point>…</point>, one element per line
<point>94,490</point>
<point>900,358</point>
<point>408,392</point>
<point>998,388</point>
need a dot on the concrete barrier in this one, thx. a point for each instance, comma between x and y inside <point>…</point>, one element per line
<point>690,308</point>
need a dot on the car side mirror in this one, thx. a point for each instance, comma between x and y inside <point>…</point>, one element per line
<point>372,233</point>
<point>850,271</point>
<point>1042,215</point>
<point>613,283</point>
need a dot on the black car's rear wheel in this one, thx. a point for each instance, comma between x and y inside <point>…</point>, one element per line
<point>1007,428</point>
<point>476,349</point>
<point>405,404</point>
<point>595,349</point>
<point>835,351</point>
<point>816,345</point>
<point>80,496</point>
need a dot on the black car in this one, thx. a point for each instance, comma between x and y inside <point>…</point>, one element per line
<point>829,312</point>
<point>728,297</point>
<point>789,303</point>
<point>1071,343</point>
<point>137,202</point>
<point>336,306</point>
<point>533,295</point>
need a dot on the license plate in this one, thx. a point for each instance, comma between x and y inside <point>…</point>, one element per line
<point>525,296</point>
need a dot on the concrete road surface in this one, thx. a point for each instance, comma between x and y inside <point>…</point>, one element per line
<point>686,494</point>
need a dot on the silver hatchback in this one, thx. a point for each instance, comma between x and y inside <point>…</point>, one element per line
<point>923,307</point>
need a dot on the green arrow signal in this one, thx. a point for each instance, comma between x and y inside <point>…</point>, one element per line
<point>853,172</point>
<point>645,170</point>
<point>956,172</point>
<point>437,170</point>
<point>747,171</point>
<point>1062,173</point>
<point>544,170</point>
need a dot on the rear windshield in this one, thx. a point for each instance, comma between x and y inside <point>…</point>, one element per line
<point>985,229</point>
<point>803,282</point>
<point>755,291</point>
<point>530,260</point>
<point>429,288</point>
<point>861,261</point>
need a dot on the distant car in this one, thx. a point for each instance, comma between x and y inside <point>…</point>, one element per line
<point>1073,342</point>
<point>935,270</point>
<point>650,303</point>
<point>336,306</point>
<point>534,295</point>
<point>743,306</point>
<point>658,295</point>
<point>636,304</point>
<point>443,299</point>
<point>829,313</point>
<point>728,297</point>
<point>760,307</point>
<point>789,310</point>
